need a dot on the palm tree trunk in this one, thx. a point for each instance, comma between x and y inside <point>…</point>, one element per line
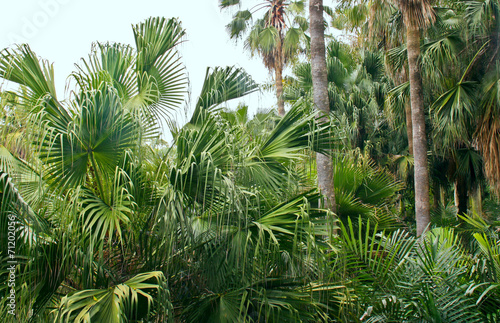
<point>422,206</point>
<point>461,196</point>
<point>477,201</point>
<point>278,71</point>
<point>320,95</point>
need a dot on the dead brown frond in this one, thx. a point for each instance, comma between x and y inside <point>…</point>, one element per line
<point>488,139</point>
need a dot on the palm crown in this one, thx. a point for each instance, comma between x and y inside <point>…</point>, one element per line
<point>276,37</point>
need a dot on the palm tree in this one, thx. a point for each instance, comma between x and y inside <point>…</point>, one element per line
<point>356,98</point>
<point>79,182</point>
<point>483,18</point>
<point>461,94</point>
<point>108,212</point>
<point>418,14</point>
<point>112,224</point>
<point>320,94</point>
<point>276,37</point>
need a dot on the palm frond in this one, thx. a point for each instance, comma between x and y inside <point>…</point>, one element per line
<point>227,3</point>
<point>221,85</point>
<point>240,23</point>
<point>23,67</point>
<point>488,128</point>
<point>134,299</point>
<point>417,13</point>
<point>97,138</point>
<point>156,39</point>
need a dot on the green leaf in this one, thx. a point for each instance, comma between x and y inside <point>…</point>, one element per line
<point>134,299</point>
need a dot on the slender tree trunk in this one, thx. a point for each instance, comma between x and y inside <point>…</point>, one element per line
<point>278,71</point>
<point>461,196</point>
<point>477,201</point>
<point>422,207</point>
<point>320,95</point>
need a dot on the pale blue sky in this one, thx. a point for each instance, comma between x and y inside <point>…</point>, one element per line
<point>62,32</point>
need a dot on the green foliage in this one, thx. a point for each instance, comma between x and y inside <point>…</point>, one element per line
<point>113,225</point>
<point>112,214</point>
<point>363,189</point>
<point>123,302</point>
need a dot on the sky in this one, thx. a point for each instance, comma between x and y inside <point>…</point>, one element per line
<point>62,31</point>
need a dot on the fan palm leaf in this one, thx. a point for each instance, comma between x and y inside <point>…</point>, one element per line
<point>134,299</point>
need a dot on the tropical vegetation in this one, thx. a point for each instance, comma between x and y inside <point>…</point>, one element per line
<point>102,220</point>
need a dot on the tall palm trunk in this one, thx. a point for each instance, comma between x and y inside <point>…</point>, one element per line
<point>461,195</point>
<point>477,200</point>
<point>422,206</point>
<point>278,72</point>
<point>320,95</point>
